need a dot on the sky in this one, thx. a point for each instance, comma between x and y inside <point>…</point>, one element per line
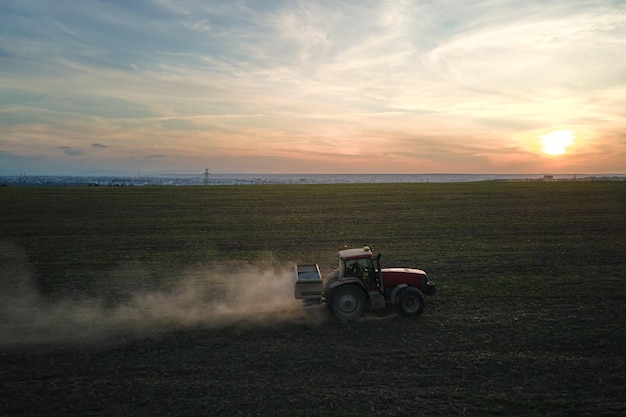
<point>328,86</point>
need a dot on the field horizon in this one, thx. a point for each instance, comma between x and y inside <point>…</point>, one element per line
<point>234,178</point>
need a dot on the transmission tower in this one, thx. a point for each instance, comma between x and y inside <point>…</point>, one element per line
<point>206,176</point>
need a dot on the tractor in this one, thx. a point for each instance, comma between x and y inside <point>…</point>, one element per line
<point>360,284</point>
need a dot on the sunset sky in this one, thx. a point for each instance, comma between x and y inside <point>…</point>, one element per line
<point>280,86</point>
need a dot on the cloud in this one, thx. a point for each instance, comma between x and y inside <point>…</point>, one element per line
<point>70,151</point>
<point>203,80</point>
<point>250,295</point>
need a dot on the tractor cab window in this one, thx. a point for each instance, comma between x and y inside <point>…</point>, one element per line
<point>362,269</point>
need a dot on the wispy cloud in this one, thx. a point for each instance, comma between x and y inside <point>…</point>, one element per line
<point>448,85</point>
<point>70,151</point>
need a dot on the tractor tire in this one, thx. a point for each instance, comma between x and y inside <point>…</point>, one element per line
<point>348,303</point>
<point>410,302</point>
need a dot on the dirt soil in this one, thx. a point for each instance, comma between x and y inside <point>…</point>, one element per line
<point>116,301</point>
<point>466,357</point>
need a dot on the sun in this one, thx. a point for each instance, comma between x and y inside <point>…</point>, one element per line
<point>555,143</point>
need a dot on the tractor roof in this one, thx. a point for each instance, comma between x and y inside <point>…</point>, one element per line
<point>356,253</point>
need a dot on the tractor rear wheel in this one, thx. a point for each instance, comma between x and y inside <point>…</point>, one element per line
<point>349,302</point>
<point>410,302</point>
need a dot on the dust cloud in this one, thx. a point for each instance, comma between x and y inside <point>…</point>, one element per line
<point>203,298</point>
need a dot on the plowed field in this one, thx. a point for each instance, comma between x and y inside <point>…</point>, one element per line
<point>177,301</point>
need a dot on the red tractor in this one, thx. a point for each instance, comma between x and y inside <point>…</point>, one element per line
<point>360,284</point>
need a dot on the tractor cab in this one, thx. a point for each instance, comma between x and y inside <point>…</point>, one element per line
<point>362,264</point>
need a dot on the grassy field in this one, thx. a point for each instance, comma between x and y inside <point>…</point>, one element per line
<point>177,300</point>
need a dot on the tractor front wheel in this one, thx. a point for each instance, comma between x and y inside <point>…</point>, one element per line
<point>348,303</point>
<point>410,302</point>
